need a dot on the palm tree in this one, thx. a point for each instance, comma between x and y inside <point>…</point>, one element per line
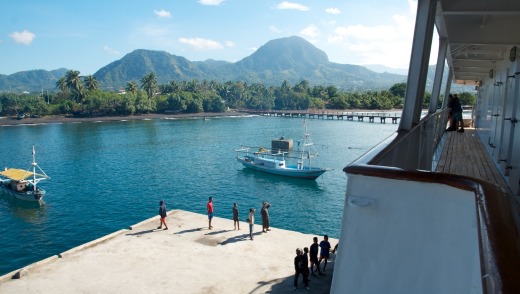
<point>149,84</point>
<point>75,84</point>
<point>91,83</point>
<point>62,84</point>
<point>131,87</point>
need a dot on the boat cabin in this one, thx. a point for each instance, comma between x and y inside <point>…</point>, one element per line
<point>19,186</point>
<point>261,160</point>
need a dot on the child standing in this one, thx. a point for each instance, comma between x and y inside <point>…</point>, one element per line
<point>251,221</point>
<point>235,216</point>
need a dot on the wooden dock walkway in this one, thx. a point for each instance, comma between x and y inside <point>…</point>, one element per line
<point>332,114</point>
<point>464,154</point>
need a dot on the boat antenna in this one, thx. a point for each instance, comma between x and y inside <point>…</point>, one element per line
<point>34,169</point>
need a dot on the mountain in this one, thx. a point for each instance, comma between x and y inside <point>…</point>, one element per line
<point>31,80</point>
<point>293,59</point>
<point>381,68</point>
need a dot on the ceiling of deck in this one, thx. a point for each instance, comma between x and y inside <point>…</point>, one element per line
<point>480,33</point>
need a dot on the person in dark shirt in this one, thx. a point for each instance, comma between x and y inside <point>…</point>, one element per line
<point>162,214</point>
<point>456,110</point>
<point>235,216</point>
<point>325,251</point>
<point>313,254</point>
<point>299,268</point>
<point>265,216</point>
<point>306,257</point>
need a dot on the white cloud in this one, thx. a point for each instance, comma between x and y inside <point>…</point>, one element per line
<point>275,29</point>
<point>229,44</point>
<point>110,50</point>
<point>311,32</point>
<point>211,2</point>
<point>201,44</point>
<point>292,5</point>
<point>333,10</point>
<point>252,49</point>
<point>24,37</point>
<point>388,44</point>
<point>162,13</point>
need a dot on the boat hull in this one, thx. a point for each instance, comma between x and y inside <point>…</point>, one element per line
<point>310,173</point>
<point>25,196</point>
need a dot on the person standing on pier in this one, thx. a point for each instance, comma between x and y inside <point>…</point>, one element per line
<point>325,251</point>
<point>314,256</point>
<point>235,216</point>
<point>210,212</point>
<point>299,268</point>
<point>265,216</point>
<point>162,214</point>
<point>306,256</point>
<point>251,221</point>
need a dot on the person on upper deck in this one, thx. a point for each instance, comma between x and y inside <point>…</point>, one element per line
<point>456,114</point>
<point>451,123</point>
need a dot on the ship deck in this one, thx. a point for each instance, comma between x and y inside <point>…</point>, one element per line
<point>464,154</point>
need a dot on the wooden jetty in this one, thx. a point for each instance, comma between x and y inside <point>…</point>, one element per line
<point>331,114</point>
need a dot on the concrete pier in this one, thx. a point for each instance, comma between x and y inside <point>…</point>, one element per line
<point>187,258</point>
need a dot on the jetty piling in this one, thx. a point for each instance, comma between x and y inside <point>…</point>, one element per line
<point>330,114</point>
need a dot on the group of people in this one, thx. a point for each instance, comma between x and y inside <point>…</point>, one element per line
<point>301,261</point>
<point>264,212</point>
<point>456,123</point>
<point>303,257</point>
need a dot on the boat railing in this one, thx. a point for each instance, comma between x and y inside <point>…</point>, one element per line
<point>468,220</point>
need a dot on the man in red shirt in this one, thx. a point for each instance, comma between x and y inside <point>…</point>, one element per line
<point>210,211</point>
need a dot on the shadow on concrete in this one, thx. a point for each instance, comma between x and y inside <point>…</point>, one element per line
<point>242,237</point>
<point>142,232</point>
<point>317,284</point>
<point>216,232</point>
<point>188,231</point>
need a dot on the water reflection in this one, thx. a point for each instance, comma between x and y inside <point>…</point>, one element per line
<point>29,212</point>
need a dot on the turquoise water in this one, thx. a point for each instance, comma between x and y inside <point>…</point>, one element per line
<point>106,176</point>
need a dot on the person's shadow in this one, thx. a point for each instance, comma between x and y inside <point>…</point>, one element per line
<point>142,232</point>
<point>188,231</point>
<point>243,237</point>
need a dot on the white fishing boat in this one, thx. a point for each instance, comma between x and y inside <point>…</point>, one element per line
<point>23,184</point>
<point>274,161</point>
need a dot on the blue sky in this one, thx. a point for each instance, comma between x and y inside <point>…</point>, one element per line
<point>87,35</point>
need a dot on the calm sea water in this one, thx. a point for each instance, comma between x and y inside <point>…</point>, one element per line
<point>109,175</point>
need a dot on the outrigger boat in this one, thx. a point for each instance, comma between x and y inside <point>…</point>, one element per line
<point>22,184</point>
<point>273,161</point>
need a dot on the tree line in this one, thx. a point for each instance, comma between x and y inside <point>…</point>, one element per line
<point>81,96</point>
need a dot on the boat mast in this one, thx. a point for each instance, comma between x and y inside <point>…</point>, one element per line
<point>307,142</point>
<point>34,170</point>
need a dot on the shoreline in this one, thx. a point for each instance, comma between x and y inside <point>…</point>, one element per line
<point>60,119</point>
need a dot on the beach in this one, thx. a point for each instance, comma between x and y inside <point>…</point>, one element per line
<point>50,119</point>
<point>187,258</point>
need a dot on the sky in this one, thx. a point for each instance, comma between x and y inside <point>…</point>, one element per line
<point>87,35</point>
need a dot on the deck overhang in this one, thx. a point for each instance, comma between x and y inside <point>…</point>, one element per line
<point>480,34</point>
